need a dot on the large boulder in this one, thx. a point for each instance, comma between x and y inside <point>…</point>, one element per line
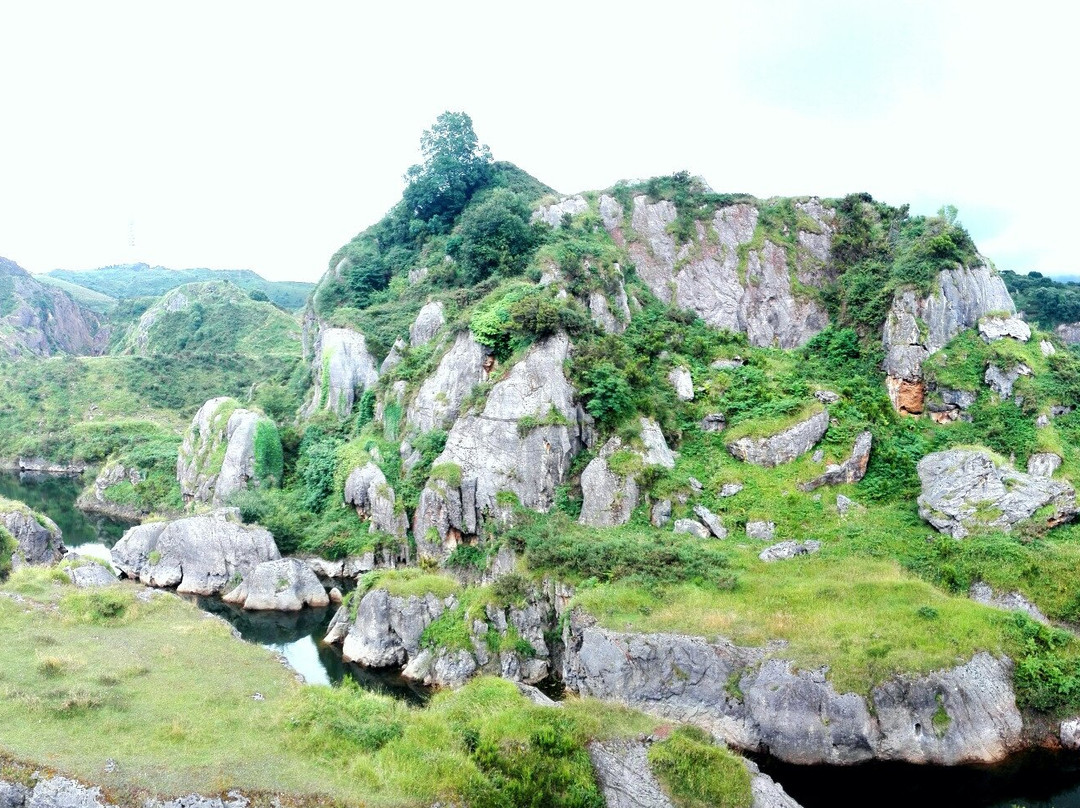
<point>624,775</point>
<point>917,327</point>
<point>522,442</point>
<point>367,490</point>
<point>609,495</point>
<point>37,538</point>
<point>850,471</point>
<point>342,366</point>
<point>203,555</point>
<point>225,450</point>
<point>965,489</point>
<point>754,295</point>
<point>427,324</point>
<point>285,585</point>
<point>552,214</point>
<point>438,402</point>
<point>97,498</point>
<point>783,446</point>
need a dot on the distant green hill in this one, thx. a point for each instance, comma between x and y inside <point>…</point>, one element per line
<point>95,301</point>
<point>139,280</point>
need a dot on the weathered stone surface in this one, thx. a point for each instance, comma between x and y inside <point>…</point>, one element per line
<point>965,489</point>
<point>387,630</point>
<point>1047,348</point>
<point>427,324</point>
<point>37,538</point>
<point>783,447</point>
<point>730,490</point>
<point>495,454</point>
<point>87,573</point>
<point>60,792</point>
<point>907,396</point>
<point>759,302</point>
<point>394,357</point>
<point>1043,464</point>
<point>843,504</point>
<point>203,555</point>
<point>438,402</point>
<point>113,473</point>
<point>661,512</point>
<point>612,317</point>
<point>12,795</point>
<point>367,490</point>
<point>766,792</point>
<point>789,549</point>
<point>1002,381</point>
<point>714,422</point>
<point>850,471</point>
<point>1009,601</point>
<point>711,521</point>
<point>342,366</point>
<point>995,326</point>
<point>826,396</point>
<point>624,775</point>
<point>441,669</point>
<point>760,530</point>
<point>1069,333</point>
<point>553,214</point>
<point>608,497</point>
<point>691,526</point>
<point>285,585</point>
<point>219,422</point>
<point>797,715</point>
<point>683,383</point>
<point>1069,732</point>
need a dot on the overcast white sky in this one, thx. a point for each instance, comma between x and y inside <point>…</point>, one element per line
<point>265,135</point>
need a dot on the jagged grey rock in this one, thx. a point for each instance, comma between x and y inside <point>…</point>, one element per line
<point>1047,348</point>
<point>993,327</point>
<point>1043,464</point>
<point>342,365</point>
<point>386,631</point>
<point>1069,733</point>
<point>683,383</point>
<point>87,573</point>
<point>981,592</point>
<point>202,555</point>
<point>964,489</point>
<point>367,490</point>
<point>691,526</point>
<point>12,795</point>
<point>438,402</point>
<point>714,422</point>
<point>797,716</point>
<point>711,521</point>
<point>730,490</point>
<point>113,473</point>
<point>760,530</point>
<point>285,585</point>
<point>60,792</point>
<point>766,792</point>
<point>1069,333</point>
<point>393,357</point>
<point>37,538</point>
<point>603,314</point>
<point>1002,381</point>
<point>623,773</point>
<point>826,396</point>
<point>782,447</point>
<point>661,512</point>
<point>843,504</point>
<point>789,549</point>
<point>609,498</point>
<point>442,668</point>
<point>219,422</point>
<point>427,324</point>
<point>553,214</point>
<point>850,471</point>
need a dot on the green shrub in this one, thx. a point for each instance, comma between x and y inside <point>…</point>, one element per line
<point>338,723</point>
<point>107,606</point>
<point>699,774</point>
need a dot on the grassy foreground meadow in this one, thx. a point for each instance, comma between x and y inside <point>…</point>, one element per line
<point>143,694</point>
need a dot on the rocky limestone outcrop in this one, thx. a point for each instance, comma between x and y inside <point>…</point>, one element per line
<point>221,423</point>
<point>1009,601</point>
<point>521,442</point>
<point>795,715</point>
<point>993,327</point>
<point>343,368</point>
<point>438,402</point>
<point>367,490</point>
<point>1069,333</point>
<point>614,317</point>
<point>61,792</point>
<point>203,555</point>
<point>850,471</point>
<point>610,497</point>
<point>1043,464</point>
<point>786,550</point>
<point>96,499</point>
<point>87,573</point>
<point>964,490</point>
<point>37,538</point>
<point>766,792</point>
<point>431,318</point>
<point>683,382</point>
<point>945,405</point>
<point>284,585</point>
<point>705,275</point>
<point>553,214</point>
<point>386,632</point>
<point>784,446</point>
<point>917,327</point>
<point>1002,381</point>
<point>41,320</point>
<point>624,775</point>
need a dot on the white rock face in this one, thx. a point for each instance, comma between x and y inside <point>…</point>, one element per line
<point>428,322</point>
<point>762,304</point>
<point>285,585</point>
<point>1069,333</point>
<point>342,367</point>
<point>367,490</point>
<point>553,214</point>
<point>996,326</point>
<point>964,489</point>
<point>1002,381</point>
<point>438,402</point>
<point>219,422</point>
<point>1043,464</point>
<point>604,316</point>
<point>785,446</point>
<point>683,383</point>
<point>37,538</point>
<point>203,555</point>
<point>610,498</point>
<point>624,775</point>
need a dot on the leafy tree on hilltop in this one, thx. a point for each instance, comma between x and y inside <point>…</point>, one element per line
<point>455,165</point>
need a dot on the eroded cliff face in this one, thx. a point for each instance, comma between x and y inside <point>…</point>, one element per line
<point>722,274</point>
<point>917,327</point>
<point>758,702</point>
<point>37,320</point>
<point>343,368</point>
